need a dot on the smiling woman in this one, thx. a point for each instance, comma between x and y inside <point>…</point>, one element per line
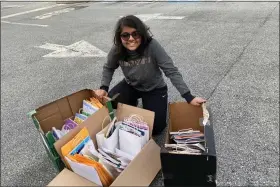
<point>141,59</point>
<point>126,40</point>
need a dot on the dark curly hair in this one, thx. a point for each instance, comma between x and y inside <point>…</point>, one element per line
<point>133,22</point>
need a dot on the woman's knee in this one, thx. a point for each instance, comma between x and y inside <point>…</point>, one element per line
<point>159,124</point>
<point>126,94</point>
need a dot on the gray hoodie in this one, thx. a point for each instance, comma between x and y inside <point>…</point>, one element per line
<point>145,74</point>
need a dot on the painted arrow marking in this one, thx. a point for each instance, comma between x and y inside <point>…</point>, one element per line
<point>78,49</point>
<point>146,17</point>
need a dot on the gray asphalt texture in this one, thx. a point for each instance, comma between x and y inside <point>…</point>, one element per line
<point>228,52</point>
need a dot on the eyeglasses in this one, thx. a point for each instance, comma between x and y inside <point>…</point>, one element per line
<point>125,36</point>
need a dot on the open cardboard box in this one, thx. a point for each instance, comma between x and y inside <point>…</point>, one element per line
<point>54,114</point>
<point>189,170</point>
<point>141,170</point>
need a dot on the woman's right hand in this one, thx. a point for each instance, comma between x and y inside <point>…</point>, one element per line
<point>100,93</point>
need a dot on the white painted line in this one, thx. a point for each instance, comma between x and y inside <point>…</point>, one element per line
<point>141,2</point>
<point>29,11</point>
<point>28,24</point>
<point>109,1</point>
<point>146,17</point>
<point>105,2</point>
<point>78,49</point>
<point>170,17</point>
<point>55,13</point>
<point>11,6</point>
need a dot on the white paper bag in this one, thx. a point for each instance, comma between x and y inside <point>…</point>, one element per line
<point>110,143</point>
<point>145,139</point>
<point>100,138</point>
<point>140,125</point>
<point>130,143</point>
<point>85,171</point>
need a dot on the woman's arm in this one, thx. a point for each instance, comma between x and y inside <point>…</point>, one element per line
<point>108,69</point>
<point>167,65</point>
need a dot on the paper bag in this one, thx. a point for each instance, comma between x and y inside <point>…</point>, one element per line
<point>110,143</point>
<point>130,143</point>
<point>136,122</point>
<point>80,162</point>
<point>112,170</point>
<point>90,151</point>
<point>145,138</point>
<point>85,171</point>
<point>124,155</point>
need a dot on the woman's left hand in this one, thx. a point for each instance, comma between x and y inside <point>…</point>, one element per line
<point>197,101</point>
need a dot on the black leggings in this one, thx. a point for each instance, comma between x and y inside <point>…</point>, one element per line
<point>155,100</point>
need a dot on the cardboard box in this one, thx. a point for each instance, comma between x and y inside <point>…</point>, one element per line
<point>142,169</point>
<point>54,114</point>
<point>72,179</point>
<point>189,170</point>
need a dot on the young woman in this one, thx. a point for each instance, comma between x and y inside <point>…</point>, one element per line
<point>141,59</point>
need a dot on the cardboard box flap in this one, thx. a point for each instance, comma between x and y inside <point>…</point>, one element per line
<point>124,110</point>
<point>54,114</point>
<point>76,100</point>
<point>63,105</point>
<point>46,111</point>
<point>93,125</point>
<point>55,120</point>
<point>142,169</point>
<point>182,115</point>
<point>64,108</point>
<point>69,178</point>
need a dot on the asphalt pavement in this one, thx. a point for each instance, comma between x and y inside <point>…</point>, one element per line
<point>227,52</point>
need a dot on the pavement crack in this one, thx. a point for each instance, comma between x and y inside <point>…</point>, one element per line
<point>267,17</point>
<point>238,58</point>
<point>230,68</point>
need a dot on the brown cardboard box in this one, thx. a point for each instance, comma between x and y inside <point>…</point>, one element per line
<point>54,114</point>
<point>141,170</point>
<point>72,179</point>
<point>183,169</point>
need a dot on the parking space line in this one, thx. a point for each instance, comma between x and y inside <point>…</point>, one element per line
<point>140,2</point>
<point>28,24</point>
<point>29,11</point>
<point>55,13</point>
<point>11,6</point>
<point>170,17</point>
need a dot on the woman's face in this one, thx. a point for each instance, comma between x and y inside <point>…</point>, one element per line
<point>131,39</point>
